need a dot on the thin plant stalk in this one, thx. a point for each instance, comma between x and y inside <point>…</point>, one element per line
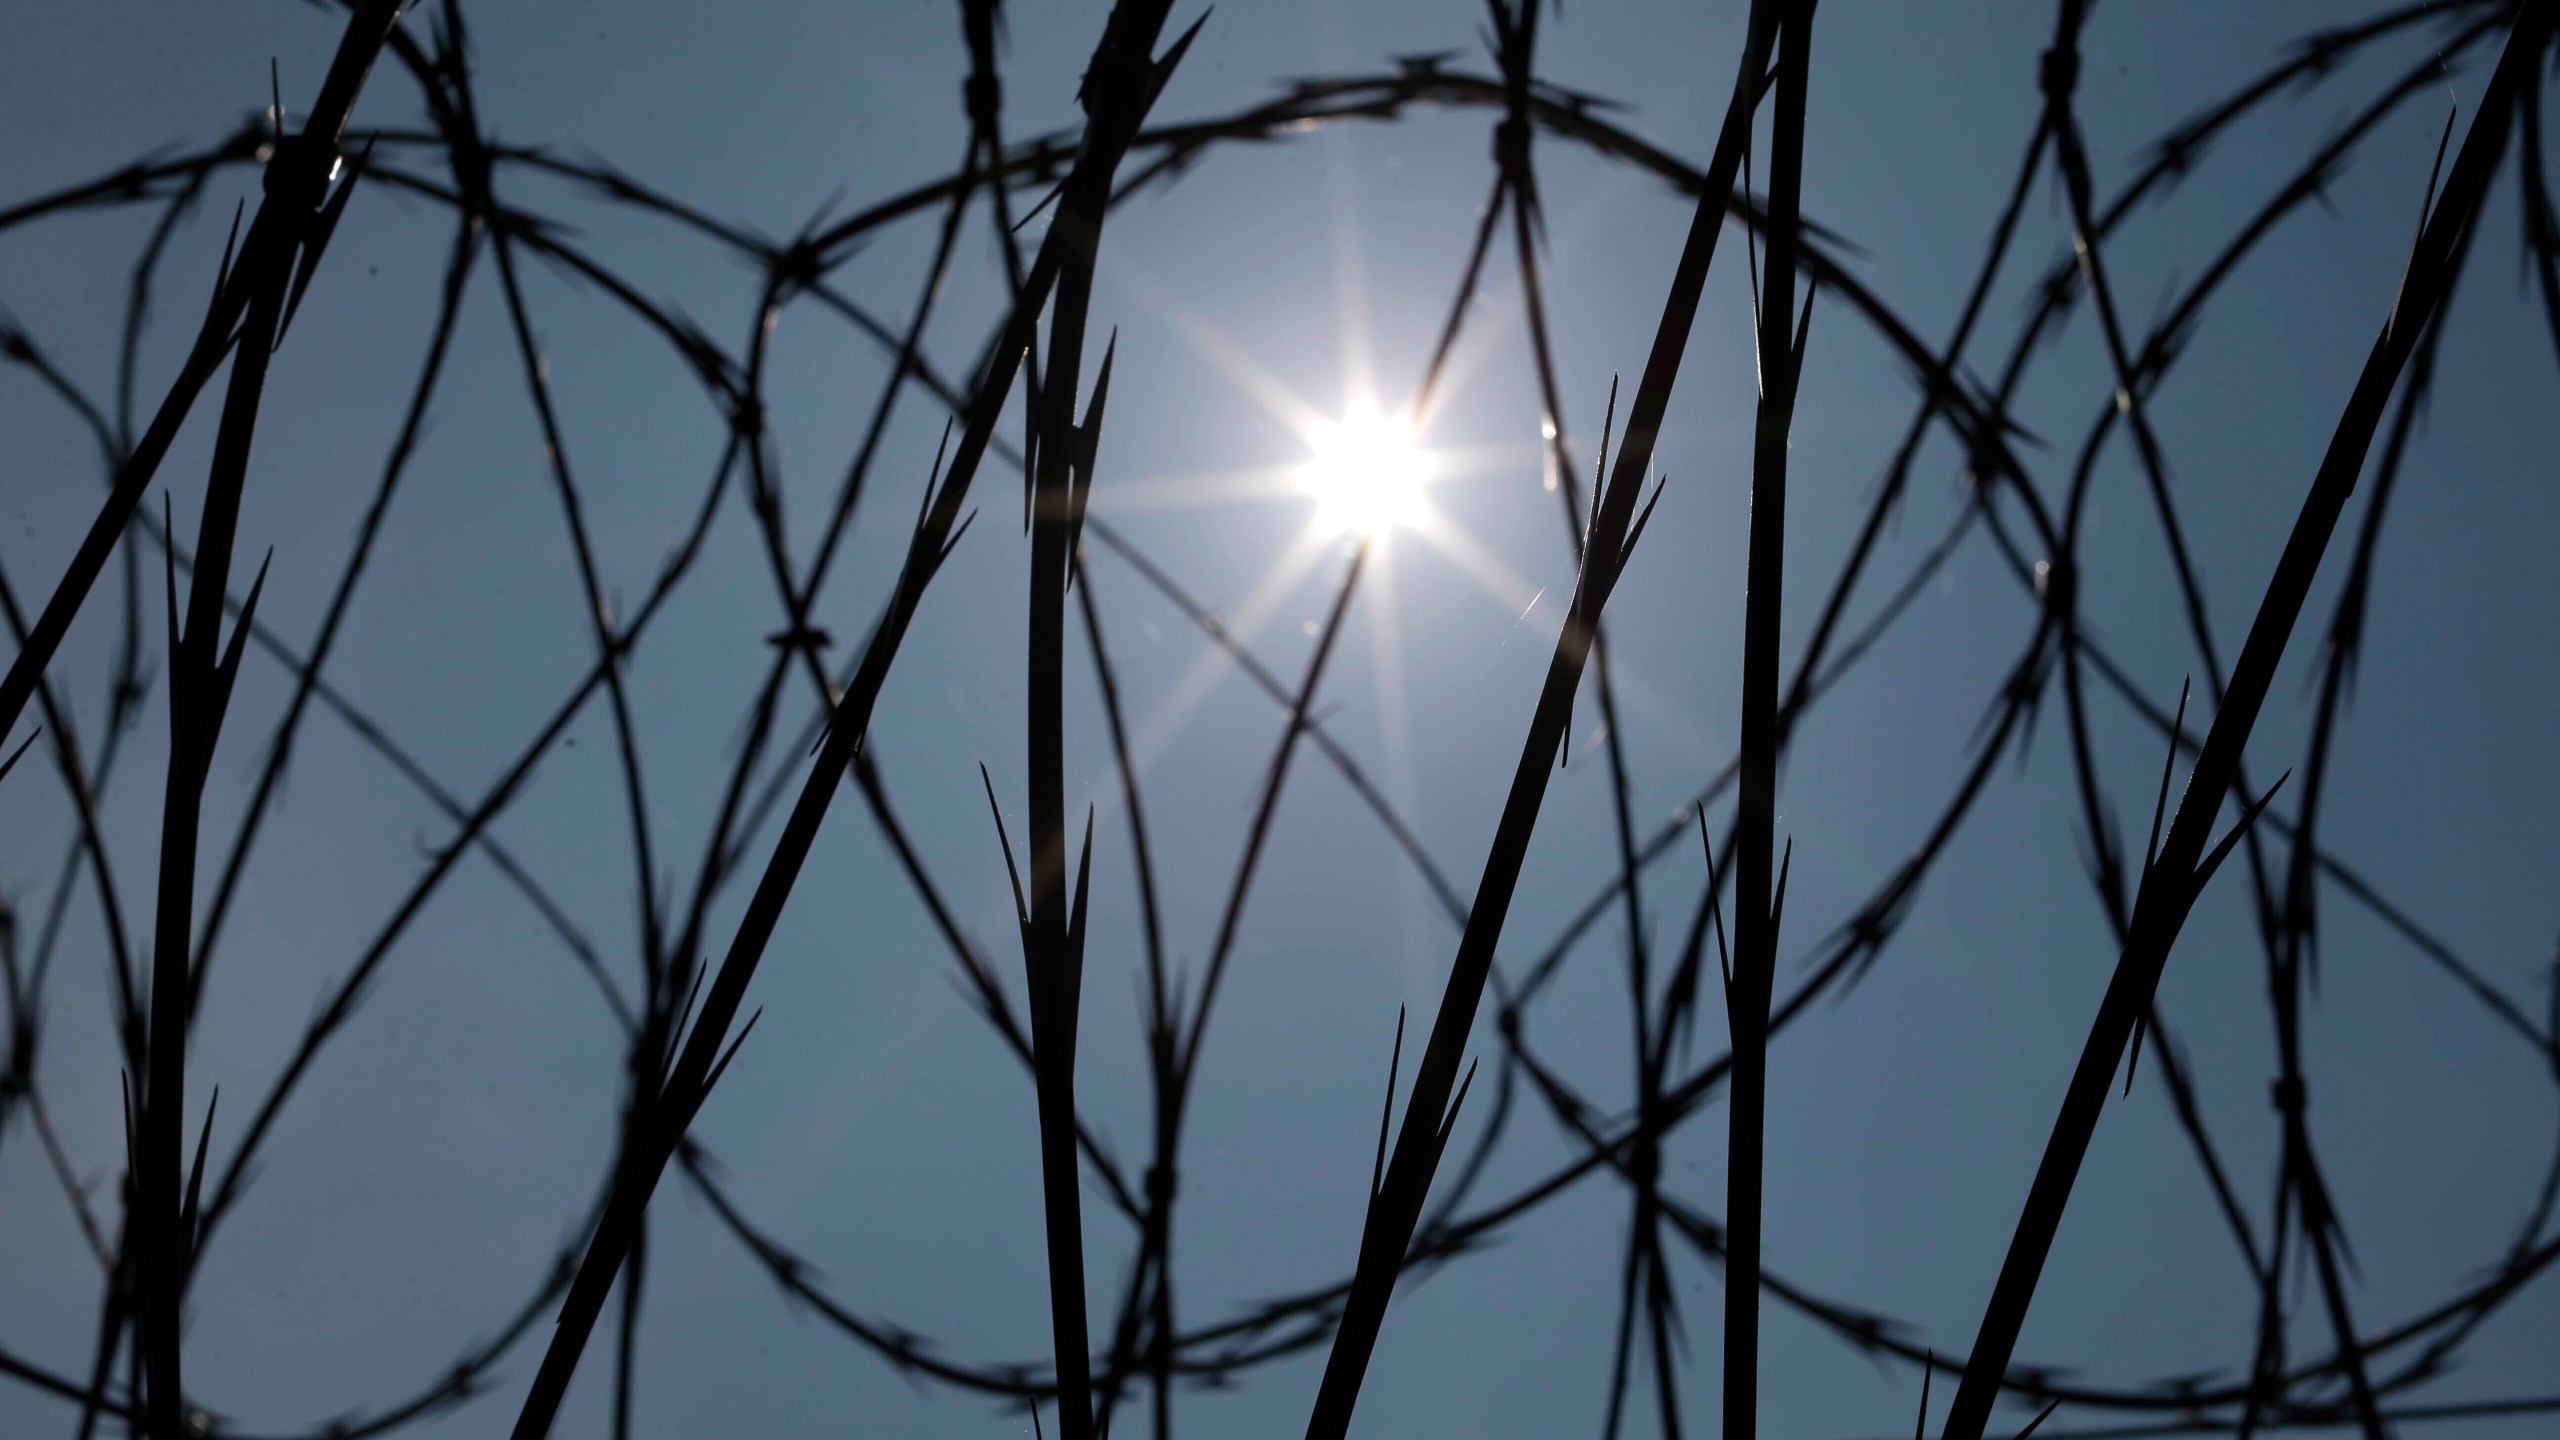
<point>1758,885</point>
<point>201,672</point>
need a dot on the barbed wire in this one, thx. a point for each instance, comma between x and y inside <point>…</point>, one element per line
<point>2034,524</point>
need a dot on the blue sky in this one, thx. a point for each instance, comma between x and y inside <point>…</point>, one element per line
<point>453,1134</point>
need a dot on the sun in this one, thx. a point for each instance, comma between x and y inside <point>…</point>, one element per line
<point>1365,472</point>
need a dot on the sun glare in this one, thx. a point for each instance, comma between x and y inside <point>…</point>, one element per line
<point>1365,473</point>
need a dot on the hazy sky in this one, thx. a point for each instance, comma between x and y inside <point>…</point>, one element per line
<point>452,1135</point>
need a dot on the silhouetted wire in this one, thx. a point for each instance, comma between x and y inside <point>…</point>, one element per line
<point>1628,1145</point>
